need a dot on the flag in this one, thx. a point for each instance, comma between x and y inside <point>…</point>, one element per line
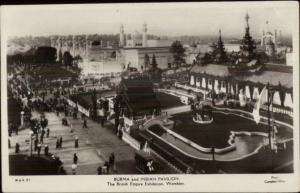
<point>256,108</point>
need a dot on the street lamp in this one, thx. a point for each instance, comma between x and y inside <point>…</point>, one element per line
<point>30,134</point>
<point>22,118</point>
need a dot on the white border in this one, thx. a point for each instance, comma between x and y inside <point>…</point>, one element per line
<point>205,182</point>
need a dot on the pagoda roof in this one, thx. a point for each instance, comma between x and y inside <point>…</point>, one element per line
<point>139,94</point>
<point>263,77</point>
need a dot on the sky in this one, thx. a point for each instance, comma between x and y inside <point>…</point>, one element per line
<point>172,19</point>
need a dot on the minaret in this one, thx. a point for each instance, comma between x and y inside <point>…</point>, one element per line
<point>144,35</point>
<point>122,36</point>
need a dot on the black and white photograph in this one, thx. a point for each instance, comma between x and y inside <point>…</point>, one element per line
<point>150,96</point>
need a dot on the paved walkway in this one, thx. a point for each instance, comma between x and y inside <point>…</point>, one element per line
<point>102,142</point>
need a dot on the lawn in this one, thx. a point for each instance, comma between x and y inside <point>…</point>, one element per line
<point>217,133</point>
<point>168,101</point>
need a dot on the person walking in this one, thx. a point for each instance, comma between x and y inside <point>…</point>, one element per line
<point>106,164</point>
<point>39,147</point>
<point>76,142</point>
<point>46,150</point>
<point>60,142</point>
<point>17,148</point>
<point>75,158</point>
<point>36,141</point>
<point>16,129</point>
<point>42,138</point>
<point>57,144</point>
<point>99,170</point>
<point>112,161</point>
<point>48,132</point>
<point>43,132</point>
<point>9,145</point>
<point>84,123</point>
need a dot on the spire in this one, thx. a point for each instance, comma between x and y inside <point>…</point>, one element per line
<point>247,19</point>
<point>248,45</point>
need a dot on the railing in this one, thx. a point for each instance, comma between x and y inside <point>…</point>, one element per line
<point>80,108</point>
<point>131,141</point>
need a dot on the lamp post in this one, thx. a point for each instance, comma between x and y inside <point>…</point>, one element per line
<point>30,134</point>
<point>22,118</point>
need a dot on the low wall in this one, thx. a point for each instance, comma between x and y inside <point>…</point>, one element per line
<point>231,146</point>
<point>131,141</point>
<point>80,108</point>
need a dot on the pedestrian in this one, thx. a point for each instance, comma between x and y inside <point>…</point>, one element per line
<point>84,123</point>
<point>48,132</point>
<point>74,167</point>
<point>76,142</point>
<point>39,147</point>
<point>9,145</point>
<point>36,141</point>
<point>106,164</point>
<point>43,132</point>
<point>112,160</point>
<point>99,170</point>
<point>16,129</point>
<point>10,129</point>
<point>75,158</point>
<point>71,128</point>
<point>57,144</point>
<point>60,142</point>
<point>42,138</point>
<point>17,148</point>
<point>46,150</point>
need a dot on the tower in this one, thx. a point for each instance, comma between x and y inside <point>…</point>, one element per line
<point>122,36</point>
<point>248,45</point>
<point>144,35</point>
<point>220,50</point>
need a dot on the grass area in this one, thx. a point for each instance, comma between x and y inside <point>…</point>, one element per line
<point>217,133</point>
<point>167,100</point>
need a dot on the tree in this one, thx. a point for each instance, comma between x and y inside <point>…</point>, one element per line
<point>154,64</point>
<point>67,59</point>
<point>44,55</point>
<point>178,52</point>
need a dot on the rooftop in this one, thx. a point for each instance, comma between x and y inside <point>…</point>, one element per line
<point>264,77</point>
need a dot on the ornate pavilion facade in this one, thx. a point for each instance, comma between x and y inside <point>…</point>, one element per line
<point>217,77</point>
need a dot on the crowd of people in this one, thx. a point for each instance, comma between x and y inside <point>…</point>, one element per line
<point>51,99</point>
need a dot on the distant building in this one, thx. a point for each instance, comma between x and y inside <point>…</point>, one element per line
<point>134,48</point>
<point>246,85</point>
<point>271,43</point>
<point>75,45</point>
